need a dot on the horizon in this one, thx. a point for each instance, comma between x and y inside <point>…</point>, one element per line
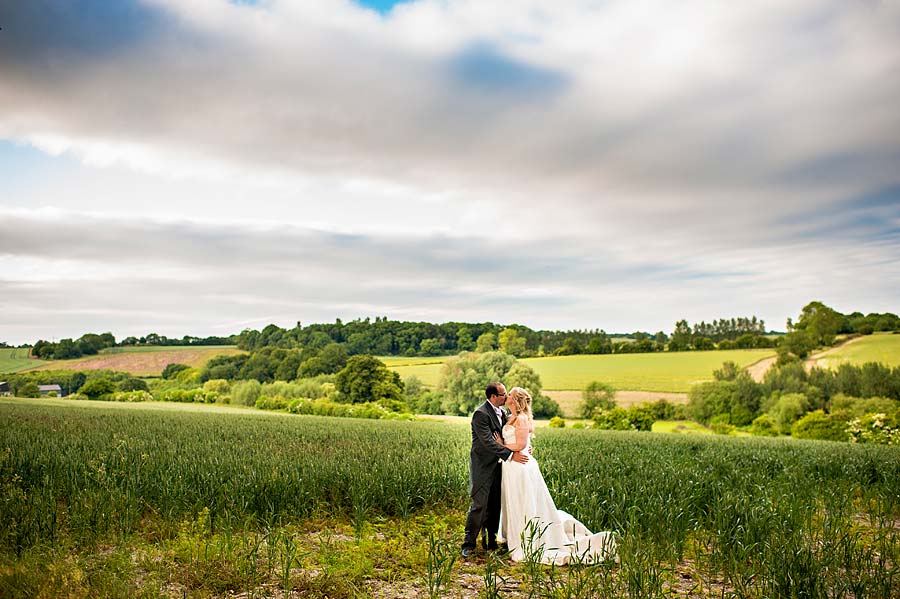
<point>209,166</point>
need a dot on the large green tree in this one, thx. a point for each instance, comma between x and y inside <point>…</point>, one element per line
<point>366,378</point>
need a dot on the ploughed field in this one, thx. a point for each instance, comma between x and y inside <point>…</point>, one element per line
<point>144,360</point>
<point>128,500</point>
<point>652,372</point>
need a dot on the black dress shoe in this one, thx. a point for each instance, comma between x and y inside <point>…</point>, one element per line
<point>466,552</point>
<point>489,545</point>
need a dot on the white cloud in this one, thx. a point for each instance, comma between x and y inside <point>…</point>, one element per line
<point>601,155</point>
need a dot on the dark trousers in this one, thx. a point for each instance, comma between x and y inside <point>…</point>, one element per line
<point>484,512</point>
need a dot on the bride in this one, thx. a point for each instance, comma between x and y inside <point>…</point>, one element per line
<point>528,513</point>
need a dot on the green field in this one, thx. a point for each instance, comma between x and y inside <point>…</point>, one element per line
<point>880,347</point>
<point>15,359</point>
<point>135,500</point>
<point>663,372</point>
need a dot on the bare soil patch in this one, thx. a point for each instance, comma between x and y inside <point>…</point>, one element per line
<point>141,363</point>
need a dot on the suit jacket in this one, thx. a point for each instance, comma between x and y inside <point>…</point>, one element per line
<point>486,454</point>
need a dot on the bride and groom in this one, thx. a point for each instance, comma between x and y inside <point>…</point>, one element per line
<point>510,500</point>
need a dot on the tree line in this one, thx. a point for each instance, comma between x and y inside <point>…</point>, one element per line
<point>817,325</point>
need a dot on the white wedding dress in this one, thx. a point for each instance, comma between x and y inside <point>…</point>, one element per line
<point>553,534</point>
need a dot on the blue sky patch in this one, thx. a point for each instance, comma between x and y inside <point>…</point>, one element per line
<point>381,6</point>
<point>483,67</point>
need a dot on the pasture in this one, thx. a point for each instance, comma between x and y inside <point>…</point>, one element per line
<point>14,359</point>
<point>143,360</point>
<point>654,372</point>
<point>122,501</point>
<point>879,347</point>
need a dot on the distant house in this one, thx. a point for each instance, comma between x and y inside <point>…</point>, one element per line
<point>47,389</point>
<point>4,388</point>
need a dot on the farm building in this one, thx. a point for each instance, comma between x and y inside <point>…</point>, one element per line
<point>4,388</point>
<point>48,389</point>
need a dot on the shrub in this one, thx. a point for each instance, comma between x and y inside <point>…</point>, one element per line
<point>662,410</point>
<point>133,384</point>
<point>620,419</point>
<point>246,393</point>
<point>597,396</point>
<point>94,388</point>
<point>787,410</point>
<point>764,426</point>
<point>819,425</point>
<point>861,406</point>
<point>272,403</point>
<point>220,386</point>
<point>190,376</point>
<point>721,424</point>
<point>880,428</point>
<point>172,370</point>
<point>578,425</point>
<point>30,389</point>
<point>557,422</point>
<point>131,396</point>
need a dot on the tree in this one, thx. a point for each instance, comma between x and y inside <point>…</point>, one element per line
<point>133,384</point>
<point>366,378</point>
<point>511,343</point>
<point>171,370</point>
<point>30,389</point>
<point>522,375</point>
<point>600,344</point>
<point>787,410</point>
<point>681,337</point>
<point>431,347</point>
<point>96,388</point>
<point>486,342</point>
<point>464,339</point>
<point>820,323</point>
<point>728,372</point>
<point>597,396</point>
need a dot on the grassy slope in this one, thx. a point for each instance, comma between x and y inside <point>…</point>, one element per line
<point>880,347</point>
<point>665,372</point>
<point>15,359</point>
<point>143,361</point>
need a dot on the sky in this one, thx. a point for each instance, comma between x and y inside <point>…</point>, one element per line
<point>204,166</point>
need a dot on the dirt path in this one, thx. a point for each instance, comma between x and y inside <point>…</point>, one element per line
<point>814,358</point>
<point>759,369</point>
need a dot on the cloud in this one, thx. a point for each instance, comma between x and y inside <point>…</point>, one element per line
<point>178,277</point>
<point>600,155</point>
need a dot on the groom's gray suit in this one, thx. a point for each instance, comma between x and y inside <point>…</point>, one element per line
<point>485,471</point>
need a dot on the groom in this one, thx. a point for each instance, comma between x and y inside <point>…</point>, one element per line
<point>485,470</point>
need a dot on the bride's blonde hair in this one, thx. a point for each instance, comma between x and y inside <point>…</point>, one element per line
<point>522,399</point>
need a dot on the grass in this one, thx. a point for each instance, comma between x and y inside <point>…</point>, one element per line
<point>145,360</point>
<point>658,372</point>
<point>880,347</point>
<point>680,426</point>
<point>413,361</point>
<point>13,359</point>
<point>122,501</point>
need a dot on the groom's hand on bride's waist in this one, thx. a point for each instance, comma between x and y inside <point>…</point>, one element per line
<point>520,457</point>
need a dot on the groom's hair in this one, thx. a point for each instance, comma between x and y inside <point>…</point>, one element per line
<point>492,389</point>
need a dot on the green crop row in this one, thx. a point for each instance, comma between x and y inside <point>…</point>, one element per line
<point>765,517</point>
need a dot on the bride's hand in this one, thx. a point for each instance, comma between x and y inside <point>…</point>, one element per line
<point>498,438</point>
